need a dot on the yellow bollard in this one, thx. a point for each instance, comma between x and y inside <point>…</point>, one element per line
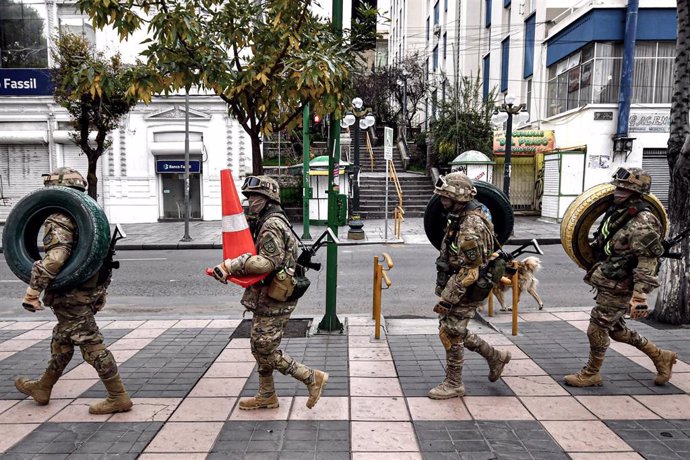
<point>379,276</point>
<point>376,265</point>
<point>515,298</point>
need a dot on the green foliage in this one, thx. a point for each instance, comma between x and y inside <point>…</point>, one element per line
<point>264,59</point>
<point>363,33</point>
<point>463,122</point>
<point>93,89</point>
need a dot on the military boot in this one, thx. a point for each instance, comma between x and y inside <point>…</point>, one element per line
<point>451,387</point>
<point>39,389</point>
<point>117,400</point>
<point>589,375</point>
<point>496,364</point>
<point>663,361</point>
<point>265,398</point>
<point>316,387</point>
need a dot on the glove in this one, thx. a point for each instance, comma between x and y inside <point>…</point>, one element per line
<point>221,273</point>
<point>31,302</point>
<point>638,306</point>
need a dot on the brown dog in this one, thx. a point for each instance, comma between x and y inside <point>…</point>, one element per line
<point>527,267</point>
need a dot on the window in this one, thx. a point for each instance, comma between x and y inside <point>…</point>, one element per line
<point>434,104</point>
<point>445,5</point>
<point>487,18</point>
<point>486,63</point>
<point>528,66</point>
<point>435,58</point>
<point>528,103</point>
<point>437,14</point>
<point>428,37</point>
<point>445,45</point>
<point>71,21</point>
<point>506,3</point>
<point>592,76</point>
<point>505,60</point>
<point>23,32</point>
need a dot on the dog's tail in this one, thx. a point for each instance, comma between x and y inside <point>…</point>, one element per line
<point>532,263</point>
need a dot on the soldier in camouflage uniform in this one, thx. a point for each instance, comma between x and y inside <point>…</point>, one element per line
<point>75,309</point>
<point>468,245</point>
<point>628,246</point>
<point>268,300</point>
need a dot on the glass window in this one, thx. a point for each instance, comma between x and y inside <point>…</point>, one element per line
<point>23,32</point>
<point>664,72</point>
<point>644,69</point>
<point>445,45</point>
<point>505,55</point>
<point>437,13</point>
<point>487,18</point>
<point>435,58</point>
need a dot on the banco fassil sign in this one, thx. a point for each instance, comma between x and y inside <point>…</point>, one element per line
<point>25,82</point>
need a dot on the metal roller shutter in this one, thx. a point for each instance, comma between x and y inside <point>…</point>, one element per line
<point>21,167</point>
<point>73,158</point>
<point>654,161</point>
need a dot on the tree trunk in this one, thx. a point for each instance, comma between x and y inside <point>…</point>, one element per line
<point>91,178</point>
<point>257,163</point>
<point>672,303</point>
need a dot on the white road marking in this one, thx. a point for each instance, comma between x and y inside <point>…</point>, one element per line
<point>143,259</point>
<point>11,281</point>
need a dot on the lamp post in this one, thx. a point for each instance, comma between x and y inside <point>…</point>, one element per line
<point>362,120</point>
<point>504,113</point>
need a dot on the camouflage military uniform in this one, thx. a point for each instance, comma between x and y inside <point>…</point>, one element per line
<point>75,309</point>
<point>467,245</point>
<point>629,244</point>
<point>276,249</point>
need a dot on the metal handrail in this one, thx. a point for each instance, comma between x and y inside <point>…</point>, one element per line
<point>370,150</point>
<point>398,212</point>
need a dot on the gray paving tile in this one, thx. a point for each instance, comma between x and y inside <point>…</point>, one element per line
<point>86,440</point>
<point>147,374</point>
<point>32,361</point>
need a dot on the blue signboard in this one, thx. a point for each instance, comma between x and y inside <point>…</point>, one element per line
<point>177,166</point>
<point>25,82</point>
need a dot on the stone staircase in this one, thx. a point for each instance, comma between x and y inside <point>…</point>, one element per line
<point>416,188</point>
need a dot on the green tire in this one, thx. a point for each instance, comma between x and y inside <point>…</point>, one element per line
<point>25,221</point>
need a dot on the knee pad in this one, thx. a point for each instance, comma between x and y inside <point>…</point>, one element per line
<point>101,359</point>
<point>628,336</point>
<point>471,340</point>
<point>264,346</point>
<point>449,340</point>
<point>598,337</point>
<point>61,355</point>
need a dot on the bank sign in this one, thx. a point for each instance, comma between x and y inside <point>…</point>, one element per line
<point>177,166</point>
<point>25,82</point>
<point>524,143</point>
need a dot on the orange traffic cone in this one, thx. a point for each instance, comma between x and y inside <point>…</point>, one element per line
<point>237,239</point>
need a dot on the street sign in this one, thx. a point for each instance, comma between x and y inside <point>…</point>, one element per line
<point>387,143</point>
<point>177,166</point>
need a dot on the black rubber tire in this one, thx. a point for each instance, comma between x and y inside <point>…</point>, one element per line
<point>581,215</point>
<point>490,196</point>
<point>25,221</point>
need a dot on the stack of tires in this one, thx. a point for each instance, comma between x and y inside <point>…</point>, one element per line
<point>20,236</point>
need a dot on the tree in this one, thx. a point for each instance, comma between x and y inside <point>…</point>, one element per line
<point>266,59</point>
<point>673,301</point>
<point>374,89</point>
<point>411,70</point>
<point>463,121</point>
<point>93,89</point>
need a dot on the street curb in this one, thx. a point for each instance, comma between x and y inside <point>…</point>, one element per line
<point>177,246</point>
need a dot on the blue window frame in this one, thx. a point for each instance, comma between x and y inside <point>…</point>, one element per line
<point>505,60</point>
<point>428,37</point>
<point>530,25</point>
<point>435,58</point>
<point>487,19</point>
<point>486,67</point>
<point>506,3</point>
<point>445,45</point>
<point>437,13</point>
<point>445,5</point>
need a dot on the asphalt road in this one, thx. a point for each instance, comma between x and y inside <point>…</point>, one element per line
<point>173,283</point>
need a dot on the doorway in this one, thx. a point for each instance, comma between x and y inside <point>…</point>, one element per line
<point>172,185</point>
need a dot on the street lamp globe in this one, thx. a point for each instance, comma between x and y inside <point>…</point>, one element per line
<point>510,99</point>
<point>349,119</point>
<point>369,120</point>
<point>523,116</point>
<point>357,103</point>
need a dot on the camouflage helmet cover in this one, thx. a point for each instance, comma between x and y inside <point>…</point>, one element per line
<point>66,177</point>
<point>262,185</point>
<point>635,179</point>
<point>456,186</point>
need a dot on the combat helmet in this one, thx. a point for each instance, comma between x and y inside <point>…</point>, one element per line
<point>635,179</point>
<point>456,186</point>
<point>262,185</point>
<point>66,177</point>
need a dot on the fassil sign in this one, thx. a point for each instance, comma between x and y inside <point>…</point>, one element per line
<point>25,82</point>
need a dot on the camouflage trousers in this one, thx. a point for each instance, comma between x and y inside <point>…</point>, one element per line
<point>77,327</point>
<point>266,334</point>
<point>455,338</point>
<point>607,322</point>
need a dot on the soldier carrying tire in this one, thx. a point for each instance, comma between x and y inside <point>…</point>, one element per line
<point>74,306</point>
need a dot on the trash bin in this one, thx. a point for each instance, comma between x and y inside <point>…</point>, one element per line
<point>475,164</point>
<point>318,181</point>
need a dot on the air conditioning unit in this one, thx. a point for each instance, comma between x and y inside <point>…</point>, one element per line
<point>437,30</point>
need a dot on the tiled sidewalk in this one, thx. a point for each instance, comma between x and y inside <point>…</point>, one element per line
<point>186,378</point>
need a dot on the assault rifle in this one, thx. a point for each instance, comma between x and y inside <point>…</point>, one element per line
<point>304,258</point>
<point>524,249</point>
<point>118,234</point>
<point>669,243</point>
